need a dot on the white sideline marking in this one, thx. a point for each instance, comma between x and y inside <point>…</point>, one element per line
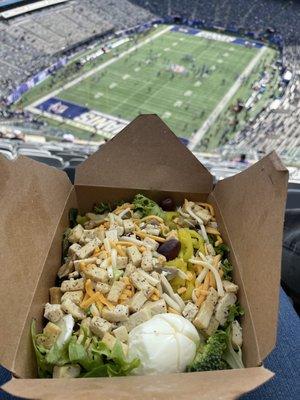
<point>195,139</point>
<point>97,69</point>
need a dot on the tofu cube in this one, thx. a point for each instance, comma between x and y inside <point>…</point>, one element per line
<point>212,327</point>
<point>112,234</point>
<point>230,287</point>
<point>73,249</point>
<point>137,301</point>
<point>146,263</point>
<point>95,273</point>
<point>129,269</point>
<point>190,311</point>
<point>72,285</point>
<point>65,269</point>
<point>122,262</point>
<point>134,255</point>
<point>53,312</point>
<point>88,249</point>
<point>119,314</point>
<point>206,310</point>
<point>50,335</point>
<point>137,319</point>
<point>151,243</point>
<point>128,225</point>
<point>55,295</point>
<point>141,283</point>
<point>76,296</point>
<point>100,326</point>
<point>121,333</point>
<point>115,291</point>
<point>71,308</point>
<point>76,234</point>
<point>103,288</point>
<point>156,307</point>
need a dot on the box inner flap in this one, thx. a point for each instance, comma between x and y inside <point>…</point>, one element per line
<point>252,203</point>
<point>32,199</point>
<point>228,384</point>
<point>145,155</point>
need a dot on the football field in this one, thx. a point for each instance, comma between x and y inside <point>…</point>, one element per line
<point>179,76</point>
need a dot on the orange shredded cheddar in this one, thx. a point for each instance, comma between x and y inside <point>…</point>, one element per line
<point>120,251</point>
<point>209,206</point>
<point>181,290</point>
<point>212,231</point>
<point>173,311</point>
<point>89,287</point>
<point>200,300</point>
<point>90,301</point>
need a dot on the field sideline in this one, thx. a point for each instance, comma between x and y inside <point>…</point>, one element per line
<point>180,77</point>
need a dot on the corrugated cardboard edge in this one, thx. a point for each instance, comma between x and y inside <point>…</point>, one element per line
<point>37,181</point>
<point>268,180</point>
<point>139,154</point>
<point>222,385</point>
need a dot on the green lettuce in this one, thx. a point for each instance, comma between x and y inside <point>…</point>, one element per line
<point>147,206</point>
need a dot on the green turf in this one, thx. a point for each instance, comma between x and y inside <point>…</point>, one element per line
<point>183,101</point>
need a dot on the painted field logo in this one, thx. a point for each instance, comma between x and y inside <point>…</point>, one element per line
<point>58,108</point>
<point>178,69</point>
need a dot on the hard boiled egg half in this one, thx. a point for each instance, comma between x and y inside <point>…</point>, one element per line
<point>166,343</point>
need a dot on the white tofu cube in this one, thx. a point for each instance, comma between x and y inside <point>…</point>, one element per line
<point>146,263</point>
<point>76,234</point>
<point>121,333</point>
<point>119,314</point>
<point>112,234</point>
<point>115,291</point>
<point>128,225</point>
<point>206,310</point>
<point>134,255</point>
<point>88,249</point>
<point>100,326</point>
<point>76,296</point>
<point>53,312</point>
<point>72,285</point>
<point>71,308</point>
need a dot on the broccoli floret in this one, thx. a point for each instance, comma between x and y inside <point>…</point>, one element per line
<point>209,357</point>
<point>146,206</point>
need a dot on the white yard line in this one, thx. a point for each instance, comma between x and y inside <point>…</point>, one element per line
<point>99,68</point>
<point>195,139</point>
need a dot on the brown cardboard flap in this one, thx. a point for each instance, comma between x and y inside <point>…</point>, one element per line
<point>225,385</point>
<point>145,155</point>
<point>32,200</point>
<point>252,204</point>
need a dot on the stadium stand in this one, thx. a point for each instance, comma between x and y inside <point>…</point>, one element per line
<point>33,41</point>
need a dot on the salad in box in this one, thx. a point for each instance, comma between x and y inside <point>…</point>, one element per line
<point>143,289</point>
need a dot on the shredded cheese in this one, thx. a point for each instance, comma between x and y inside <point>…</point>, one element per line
<point>153,217</point>
<point>156,238</point>
<point>212,231</point>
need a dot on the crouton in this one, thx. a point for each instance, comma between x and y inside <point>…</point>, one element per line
<point>146,263</point>
<point>141,283</point>
<point>190,311</point>
<point>88,249</point>
<point>156,307</point>
<point>137,301</point>
<point>223,307</point>
<point>128,225</point>
<point>76,234</point>
<point>95,273</point>
<point>137,319</point>
<point>103,288</point>
<point>55,295</point>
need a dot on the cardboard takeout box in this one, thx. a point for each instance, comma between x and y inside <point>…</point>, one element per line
<point>145,157</point>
